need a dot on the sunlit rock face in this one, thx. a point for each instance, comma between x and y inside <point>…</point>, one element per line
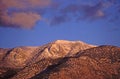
<point>21,56</point>
<point>60,59</point>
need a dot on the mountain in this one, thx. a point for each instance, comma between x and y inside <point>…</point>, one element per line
<point>61,59</point>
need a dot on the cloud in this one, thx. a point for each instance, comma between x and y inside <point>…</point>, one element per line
<point>25,3</point>
<point>21,18</point>
<point>26,13</point>
<point>93,11</point>
<point>58,20</point>
<point>39,2</point>
<point>80,12</point>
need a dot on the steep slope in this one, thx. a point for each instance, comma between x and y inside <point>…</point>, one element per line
<point>32,60</point>
<point>96,63</point>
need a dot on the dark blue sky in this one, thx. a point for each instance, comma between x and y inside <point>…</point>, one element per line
<point>92,21</point>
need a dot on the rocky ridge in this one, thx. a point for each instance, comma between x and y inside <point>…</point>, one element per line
<point>60,59</point>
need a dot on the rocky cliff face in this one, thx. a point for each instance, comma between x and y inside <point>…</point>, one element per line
<point>61,60</point>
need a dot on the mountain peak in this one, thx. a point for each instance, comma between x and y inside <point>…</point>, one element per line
<point>67,42</point>
<point>64,41</point>
<point>20,56</point>
<point>68,48</point>
<point>50,61</point>
<point>71,42</point>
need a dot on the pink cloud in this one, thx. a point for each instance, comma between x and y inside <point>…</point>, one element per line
<point>39,2</point>
<point>26,13</point>
<point>13,3</point>
<point>21,19</point>
<point>25,3</point>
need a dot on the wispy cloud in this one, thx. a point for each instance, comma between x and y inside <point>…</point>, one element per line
<point>58,20</point>
<point>85,11</point>
<point>26,13</point>
<point>93,11</point>
<point>80,11</point>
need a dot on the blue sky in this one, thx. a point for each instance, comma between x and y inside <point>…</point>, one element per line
<point>92,21</point>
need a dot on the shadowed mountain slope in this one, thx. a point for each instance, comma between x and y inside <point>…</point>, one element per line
<point>61,59</point>
<point>96,63</point>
